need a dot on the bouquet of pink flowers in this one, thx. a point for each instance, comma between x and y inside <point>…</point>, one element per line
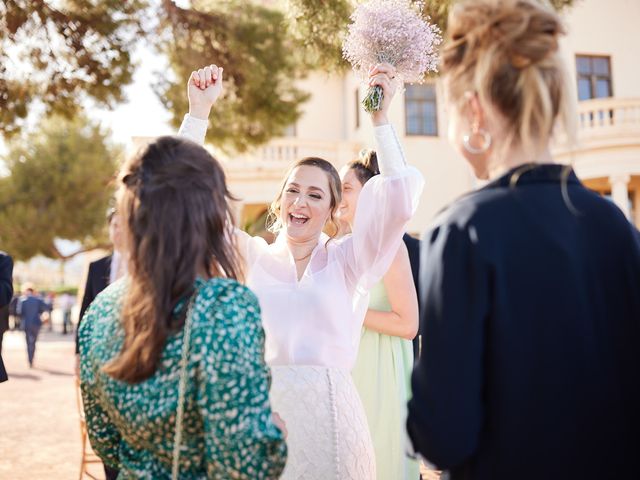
<point>395,32</point>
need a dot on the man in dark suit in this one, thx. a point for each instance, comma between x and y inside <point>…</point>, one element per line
<point>103,272</point>
<point>6,293</point>
<point>30,308</point>
<point>413,247</point>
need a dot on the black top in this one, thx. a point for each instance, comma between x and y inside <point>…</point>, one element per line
<point>6,280</point>
<point>413,247</point>
<point>531,355</point>
<point>6,292</point>
<point>97,280</point>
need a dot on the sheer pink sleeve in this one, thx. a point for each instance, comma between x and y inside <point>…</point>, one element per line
<point>386,203</point>
<point>249,248</point>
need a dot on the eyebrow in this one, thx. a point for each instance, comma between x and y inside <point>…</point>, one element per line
<point>294,184</point>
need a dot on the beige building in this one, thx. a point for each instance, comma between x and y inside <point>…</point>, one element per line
<point>602,58</point>
<point>603,62</point>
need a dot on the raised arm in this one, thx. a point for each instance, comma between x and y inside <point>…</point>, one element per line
<point>386,202</point>
<point>204,87</point>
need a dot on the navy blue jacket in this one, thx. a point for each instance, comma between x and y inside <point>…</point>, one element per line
<point>531,354</point>
<point>413,247</point>
<point>31,308</point>
<point>97,281</point>
<point>6,292</point>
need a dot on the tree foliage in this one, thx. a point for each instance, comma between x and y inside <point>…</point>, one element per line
<point>252,43</point>
<point>56,52</point>
<point>58,187</point>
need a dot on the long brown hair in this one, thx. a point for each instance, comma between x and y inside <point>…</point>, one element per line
<point>274,223</point>
<point>177,222</point>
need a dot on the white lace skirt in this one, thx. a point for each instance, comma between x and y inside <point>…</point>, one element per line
<point>328,434</point>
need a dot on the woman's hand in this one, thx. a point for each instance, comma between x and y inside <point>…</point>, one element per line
<point>203,90</point>
<point>279,422</point>
<point>383,75</point>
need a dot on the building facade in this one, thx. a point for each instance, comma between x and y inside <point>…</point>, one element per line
<point>602,59</point>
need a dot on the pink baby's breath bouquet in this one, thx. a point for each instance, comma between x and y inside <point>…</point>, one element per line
<point>391,31</point>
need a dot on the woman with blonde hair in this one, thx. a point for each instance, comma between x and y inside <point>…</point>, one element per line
<point>531,285</point>
<point>314,290</point>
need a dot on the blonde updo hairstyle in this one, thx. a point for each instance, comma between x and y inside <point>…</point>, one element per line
<point>506,52</point>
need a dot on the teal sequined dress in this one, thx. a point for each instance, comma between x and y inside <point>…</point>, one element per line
<point>227,428</point>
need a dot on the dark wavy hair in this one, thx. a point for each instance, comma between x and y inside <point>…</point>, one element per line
<point>177,224</point>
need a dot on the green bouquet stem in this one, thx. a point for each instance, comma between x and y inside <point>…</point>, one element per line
<point>373,100</point>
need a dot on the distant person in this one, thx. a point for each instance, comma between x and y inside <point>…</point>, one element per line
<point>66,303</point>
<point>105,270</point>
<point>48,298</point>
<point>30,309</point>
<point>183,305</point>
<point>530,366</point>
<point>6,293</point>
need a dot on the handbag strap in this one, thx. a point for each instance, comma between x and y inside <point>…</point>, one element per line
<point>182,388</point>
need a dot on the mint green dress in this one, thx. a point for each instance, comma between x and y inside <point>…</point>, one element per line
<point>382,377</point>
<point>227,428</point>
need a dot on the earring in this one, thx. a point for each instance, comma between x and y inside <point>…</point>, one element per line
<point>486,142</point>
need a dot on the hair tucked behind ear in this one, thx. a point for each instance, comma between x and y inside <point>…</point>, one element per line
<point>174,204</point>
<point>274,223</point>
<point>507,52</point>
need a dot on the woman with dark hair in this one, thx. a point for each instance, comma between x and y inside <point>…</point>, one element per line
<point>172,357</point>
<point>314,289</point>
<point>382,370</point>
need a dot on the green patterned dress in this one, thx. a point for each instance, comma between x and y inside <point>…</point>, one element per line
<point>227,429</point>
<point>382,376</point>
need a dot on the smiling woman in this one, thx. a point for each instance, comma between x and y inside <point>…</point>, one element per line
<point>314,291</point>
<point>309,197</point>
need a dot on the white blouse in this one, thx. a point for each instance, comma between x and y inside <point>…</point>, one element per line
<point>317,320</point>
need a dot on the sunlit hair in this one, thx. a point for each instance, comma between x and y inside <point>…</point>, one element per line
<point>506,51</point>
<point>176,220</point>
<point>274,221</point>
<point>366,166</point>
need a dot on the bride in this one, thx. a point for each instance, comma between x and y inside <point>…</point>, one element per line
<point>314,289</point>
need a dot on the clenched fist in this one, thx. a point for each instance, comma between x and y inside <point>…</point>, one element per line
<point>203,90</point>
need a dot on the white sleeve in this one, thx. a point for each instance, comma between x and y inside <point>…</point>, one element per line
<point>249,248</point>
<point>386,203</point>
<point>194,129</point>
